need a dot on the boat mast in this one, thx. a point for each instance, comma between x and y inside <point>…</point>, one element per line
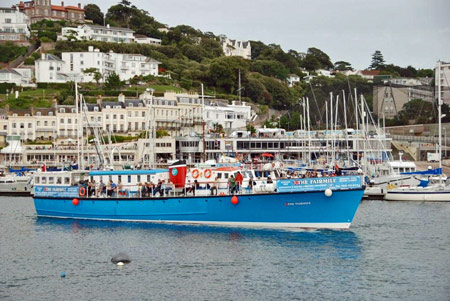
<point>78,124</point>
<point>346,126</point>
<point>439,118</point>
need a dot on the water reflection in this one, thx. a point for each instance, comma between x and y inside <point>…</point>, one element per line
<point>345,244</point>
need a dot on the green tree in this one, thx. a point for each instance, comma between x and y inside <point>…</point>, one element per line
<point>377,61</point>
<point>113,82</point>
<point>93,12</point>
<point>94,73</point>
<point>418,111</point>
<point>321,57</point>
<point>342,66</point>
<point>250,128</point>
<point>10,51</point>
<point>270,68</point>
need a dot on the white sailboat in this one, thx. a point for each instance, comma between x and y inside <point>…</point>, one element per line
<point>439,192</point>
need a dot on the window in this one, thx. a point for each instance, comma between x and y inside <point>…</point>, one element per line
<point>61,120</point>
<point>143,114</point>
<point>46,123</point>
<point>38,123</point>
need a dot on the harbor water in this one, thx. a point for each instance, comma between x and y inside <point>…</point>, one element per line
<point>394,250</point>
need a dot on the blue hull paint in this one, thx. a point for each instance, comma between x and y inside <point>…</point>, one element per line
<point>296,209</point>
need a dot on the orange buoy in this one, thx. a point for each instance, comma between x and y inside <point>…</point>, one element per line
<point>234,200</point>
<point>75,202</point>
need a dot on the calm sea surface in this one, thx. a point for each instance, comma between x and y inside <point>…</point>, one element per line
<point>393,251</point>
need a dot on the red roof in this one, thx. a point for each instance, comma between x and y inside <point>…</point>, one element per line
<point>370,72</point>
<point>74,8</point>
<point>57,7</point>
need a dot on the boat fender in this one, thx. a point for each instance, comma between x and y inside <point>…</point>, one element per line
<point>328,192</point>
<point>208,173</point>
<point>234,200</point>
<point>75,202</point>
<point>195,173</point>
<point>82,191</point>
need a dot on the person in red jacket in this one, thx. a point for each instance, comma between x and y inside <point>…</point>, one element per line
<point>239,179</point>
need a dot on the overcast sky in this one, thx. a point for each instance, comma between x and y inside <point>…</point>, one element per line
<point>407,32</point>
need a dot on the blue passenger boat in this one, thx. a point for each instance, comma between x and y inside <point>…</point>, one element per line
<point>128,195</point>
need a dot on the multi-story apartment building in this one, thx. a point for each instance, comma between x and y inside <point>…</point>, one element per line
<point>91,32</point>
<point>14,26</point>
<point>43,9</point>
<point>49,69</point>
<point>389,100</point>
<point>236,48</point>
<point>73,65</point>
<point>231,117</point>
<point>445,82</point>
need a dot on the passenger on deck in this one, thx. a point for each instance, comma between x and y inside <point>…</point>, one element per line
<point>215,186</point>
<point>109,188</point>
<point>231,184</point>
<point>239,180</point>
<point>120,191</point>
<point>269,180</point>
<point>113,188</point>
<point>101,188</point>
<point>144,190</point>
<point>158,188</point>
<point>189,187</point>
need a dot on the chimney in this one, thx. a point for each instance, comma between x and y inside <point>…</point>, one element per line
<point>62,3</point>
<point>43,56</point>
<point>79,5</point>
<point>99,101</point>
<point>121,97</point>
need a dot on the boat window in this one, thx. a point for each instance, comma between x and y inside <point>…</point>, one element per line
<point>139,178</point>
<point>36,180</point>
<point>59,180</point>
<point>129,179</point>
<point>226,175</point>
<point>120,178</point>
<point>66,180</point>
<point>51,180</point>
<point>44,180</point>
<point>92,178</point>
<point>148,178</point>
<point>219,175</point>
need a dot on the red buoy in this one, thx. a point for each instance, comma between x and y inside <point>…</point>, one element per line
<point>75,202</point>
<point>234,200</point>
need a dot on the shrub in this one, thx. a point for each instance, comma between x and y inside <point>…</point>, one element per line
<point>29,61</point>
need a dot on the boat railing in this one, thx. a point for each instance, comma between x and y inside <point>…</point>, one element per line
<point>206,188</point>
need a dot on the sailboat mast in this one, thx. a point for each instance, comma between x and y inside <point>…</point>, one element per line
<point>439,116</point>
<point>78,123</point>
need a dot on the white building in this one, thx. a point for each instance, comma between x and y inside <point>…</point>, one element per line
<point>49,69</point>
<point>98,33</point>
<point>445,82</point>
<point>231,117</point>
<point>323,72</point>
<point>292,79</point>
<point>19,76</point>
<point>125,65</point>
<point>142,39</point>
<point>236,48</point>
<point>14,25</point>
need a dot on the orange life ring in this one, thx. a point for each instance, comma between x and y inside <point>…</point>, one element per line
<point>208,173</point>
<point>195,173</point>
<point>82,191</point>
